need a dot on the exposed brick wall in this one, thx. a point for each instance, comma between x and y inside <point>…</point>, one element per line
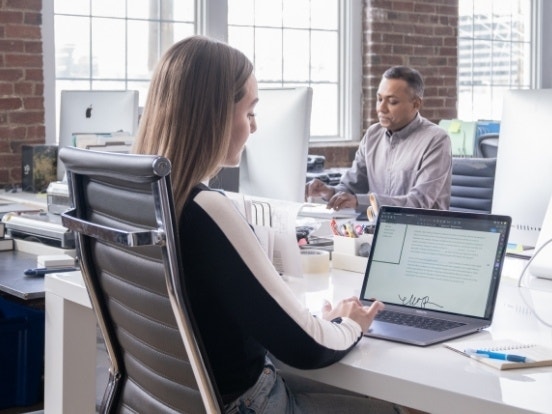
<point>418,33</point>
<point>21,84</point>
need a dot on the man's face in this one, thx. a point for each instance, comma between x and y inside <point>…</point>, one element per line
<point>396,104</point>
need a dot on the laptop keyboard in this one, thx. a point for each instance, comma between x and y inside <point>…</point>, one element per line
<point>417,321</point>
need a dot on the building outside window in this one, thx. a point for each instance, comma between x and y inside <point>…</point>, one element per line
<point>495,54</point>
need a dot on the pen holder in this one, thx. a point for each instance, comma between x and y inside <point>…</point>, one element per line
<point>346,250</point>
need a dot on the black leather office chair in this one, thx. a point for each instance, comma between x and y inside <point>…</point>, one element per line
<point>124,221</point>
<point>487,145</point>
<point>472,184</point>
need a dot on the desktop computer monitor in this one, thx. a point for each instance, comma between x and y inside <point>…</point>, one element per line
<point>274,162</point>
<point>524,163</point>
<point>97,112</point>
<point>541,266</point>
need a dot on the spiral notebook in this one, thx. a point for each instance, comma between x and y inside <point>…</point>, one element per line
<point>540,355</point>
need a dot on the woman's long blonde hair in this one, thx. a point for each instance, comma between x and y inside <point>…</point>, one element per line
<point>188,113</point>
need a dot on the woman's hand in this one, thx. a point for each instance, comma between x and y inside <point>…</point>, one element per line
<point>354,309</point>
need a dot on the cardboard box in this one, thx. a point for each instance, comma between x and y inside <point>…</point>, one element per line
<point>38,167</point>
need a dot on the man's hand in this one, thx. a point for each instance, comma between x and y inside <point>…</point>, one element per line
<point>342,200</point>
<point>316,188</point>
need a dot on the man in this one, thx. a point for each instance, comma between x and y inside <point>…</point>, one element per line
<point>403,160</point>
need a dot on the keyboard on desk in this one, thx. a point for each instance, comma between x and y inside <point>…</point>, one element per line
<point>417,321</point>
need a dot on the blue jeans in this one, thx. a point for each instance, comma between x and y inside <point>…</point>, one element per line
<point>272,394</point>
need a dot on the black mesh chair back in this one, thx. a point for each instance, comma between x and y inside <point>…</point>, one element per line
<point>127,245</point>
<point>472,184</point>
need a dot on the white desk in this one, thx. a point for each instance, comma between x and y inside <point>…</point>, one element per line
<point>432,379</point>
<point>70,346</point>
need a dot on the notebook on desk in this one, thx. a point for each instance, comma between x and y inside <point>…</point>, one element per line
<point>437,272</point>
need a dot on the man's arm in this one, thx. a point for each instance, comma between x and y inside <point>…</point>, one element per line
<point>355,180</point>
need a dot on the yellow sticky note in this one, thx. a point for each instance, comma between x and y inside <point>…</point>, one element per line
<point>455,126</point>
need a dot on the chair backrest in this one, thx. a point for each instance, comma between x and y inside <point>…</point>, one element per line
<point>472,184</point>
<point>487,145</point>
<point>127,245</point>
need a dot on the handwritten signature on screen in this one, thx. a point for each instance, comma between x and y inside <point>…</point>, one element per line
<point>422,302</point>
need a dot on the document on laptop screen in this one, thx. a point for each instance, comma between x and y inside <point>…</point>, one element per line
<point>439,268</point>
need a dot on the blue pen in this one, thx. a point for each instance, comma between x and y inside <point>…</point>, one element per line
<point>496,355</point>
<point>41,271</point>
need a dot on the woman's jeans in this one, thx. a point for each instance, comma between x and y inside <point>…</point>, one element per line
<point>281,394</point>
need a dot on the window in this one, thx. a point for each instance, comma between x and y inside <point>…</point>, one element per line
<point>114,44</point>
<point>296,43</point>
<point>495,54</point>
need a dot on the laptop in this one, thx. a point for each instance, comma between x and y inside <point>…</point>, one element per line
<point>436,271</point>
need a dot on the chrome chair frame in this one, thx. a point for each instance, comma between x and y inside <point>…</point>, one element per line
<point>109,230</point>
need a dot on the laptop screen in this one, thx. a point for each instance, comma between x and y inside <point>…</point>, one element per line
<point>437,260</point>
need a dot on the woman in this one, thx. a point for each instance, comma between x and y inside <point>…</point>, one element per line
<point>199,114</point>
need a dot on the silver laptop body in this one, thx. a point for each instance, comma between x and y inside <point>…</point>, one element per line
<point>439,265</point>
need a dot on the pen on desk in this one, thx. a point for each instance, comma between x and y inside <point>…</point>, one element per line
<point>41,271</point>
<point>496,355</point>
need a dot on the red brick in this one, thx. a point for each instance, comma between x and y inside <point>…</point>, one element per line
<point>37,133</point>
<point>12,161</point>
<point>24,88</point>
<point>34,75</point>
<point>11,75</point>
<point>33,18</point>
<point>36,103</point>
<point>22,31</point>
<point>23,60</point>
<point>10,16</point>
<point>33,47</point>
<point>11,45</point>
<point>9,133</point>
<point>10,103</point>
<point>6,88</point>
<point>26,5</point>
<point>27,117</point>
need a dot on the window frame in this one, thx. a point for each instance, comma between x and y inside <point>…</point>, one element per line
<point>212,16</point>
<point>211,20</point>
<point>535,69</point>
